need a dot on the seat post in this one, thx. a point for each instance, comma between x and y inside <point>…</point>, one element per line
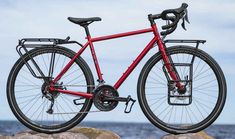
<point>87,30</point>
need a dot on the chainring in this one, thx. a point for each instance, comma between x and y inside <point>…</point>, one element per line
<point>105,91</point>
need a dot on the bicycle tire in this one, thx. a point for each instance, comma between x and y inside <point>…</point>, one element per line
<point>160,122</point>
<point>42,127</point>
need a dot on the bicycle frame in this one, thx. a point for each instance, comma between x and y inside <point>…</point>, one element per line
<point>156,39</point>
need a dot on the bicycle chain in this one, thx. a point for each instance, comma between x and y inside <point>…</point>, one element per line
<point>76,85</point>
<point>80,112</point>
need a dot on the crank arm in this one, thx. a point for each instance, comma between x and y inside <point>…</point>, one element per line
<point>120,99</point>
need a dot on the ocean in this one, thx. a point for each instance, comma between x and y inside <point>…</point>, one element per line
<point>127,130</point>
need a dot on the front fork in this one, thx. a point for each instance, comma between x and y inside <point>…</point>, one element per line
<point>167,60</point>
<point>171,70</point>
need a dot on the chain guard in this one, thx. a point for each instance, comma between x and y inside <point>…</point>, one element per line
<point>102,92</point>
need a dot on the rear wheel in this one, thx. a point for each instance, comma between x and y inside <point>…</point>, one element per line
<point>208,90</point>
<point>29,102</point>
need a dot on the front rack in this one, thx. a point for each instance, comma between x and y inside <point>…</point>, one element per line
<point>174,97</point>
<point>185,41</point>
<point>26,44</point>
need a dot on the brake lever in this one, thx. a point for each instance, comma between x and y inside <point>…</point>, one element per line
<point>183,24</point>
<point>186,16</point>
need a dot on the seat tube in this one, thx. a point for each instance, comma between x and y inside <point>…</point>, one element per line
<point>97,67</point>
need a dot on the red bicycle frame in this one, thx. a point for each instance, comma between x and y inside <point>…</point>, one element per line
<point>157,39</point>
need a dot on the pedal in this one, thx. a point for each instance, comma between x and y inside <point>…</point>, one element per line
<point>129,100</point>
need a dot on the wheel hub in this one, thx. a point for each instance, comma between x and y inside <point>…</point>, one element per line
<point>48,93</point>
<point>182,90</point>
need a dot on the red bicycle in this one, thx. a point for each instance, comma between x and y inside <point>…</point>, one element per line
<point>180,89</point>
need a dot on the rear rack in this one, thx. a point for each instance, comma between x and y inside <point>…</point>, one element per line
<point>30,43</point>
<point>38,42</point>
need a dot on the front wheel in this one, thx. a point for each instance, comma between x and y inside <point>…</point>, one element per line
<point>182,112</point>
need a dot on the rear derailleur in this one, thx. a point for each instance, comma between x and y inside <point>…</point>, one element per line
<point>51,95</point>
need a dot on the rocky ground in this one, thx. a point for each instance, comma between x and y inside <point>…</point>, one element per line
<point>93,133</point>
<point>199,135</point>
<point>75,133</point>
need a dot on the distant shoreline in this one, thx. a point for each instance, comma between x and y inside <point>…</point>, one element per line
<point>123,122</point>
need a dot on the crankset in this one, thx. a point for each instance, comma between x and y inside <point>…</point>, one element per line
<point>106,99</point>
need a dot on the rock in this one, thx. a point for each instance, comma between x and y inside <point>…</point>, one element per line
<point>93,133</point>
<point>75,133</point>
<point>5,137</point>
<point>69,135</point>
<point>199,135</point>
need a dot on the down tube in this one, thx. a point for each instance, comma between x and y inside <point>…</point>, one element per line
<point>135,63</point>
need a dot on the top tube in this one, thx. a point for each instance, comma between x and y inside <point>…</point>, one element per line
<point>119,35</point>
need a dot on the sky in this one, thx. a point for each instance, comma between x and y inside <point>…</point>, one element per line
<point>212,20</point>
